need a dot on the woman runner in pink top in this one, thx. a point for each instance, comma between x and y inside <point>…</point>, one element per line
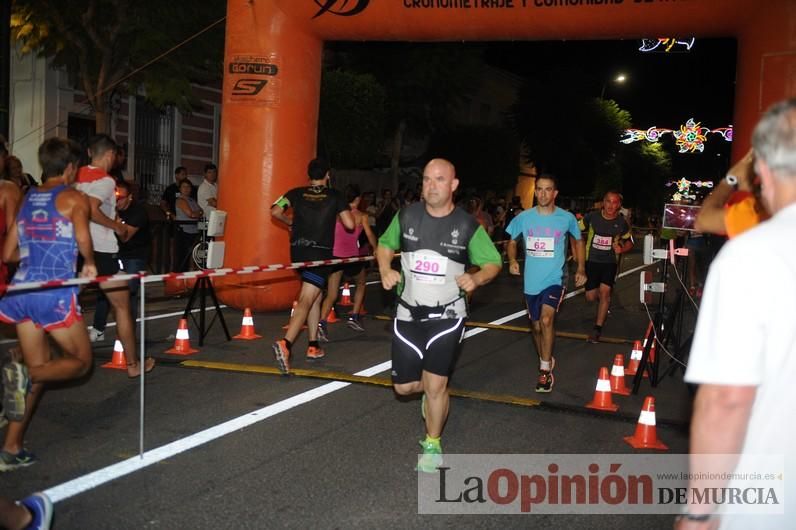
<point>346,245</point>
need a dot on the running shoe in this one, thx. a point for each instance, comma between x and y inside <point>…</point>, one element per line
<point>10,462</point>
<point>546,380</point>
<point>323,332</point>
<point>41,508</point>
<point>313,353</point>
<point>95,335</point>
<point>354,323</point>
<point>431,458</point>
<point>282,355</point>
<point>15,389</point>
<point>594,336</point>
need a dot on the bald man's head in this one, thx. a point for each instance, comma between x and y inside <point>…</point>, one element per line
<point>441,165</point>
<point>439,183</point>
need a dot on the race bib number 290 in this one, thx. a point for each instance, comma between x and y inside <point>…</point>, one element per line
<point>429,268</point>
<point>540,247</point>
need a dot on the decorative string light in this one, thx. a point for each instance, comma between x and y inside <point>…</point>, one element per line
<point>689,138</point>
<point>684,188</point>
<point>667,45</point>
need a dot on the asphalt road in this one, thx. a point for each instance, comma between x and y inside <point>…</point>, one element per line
<point>303,452</point>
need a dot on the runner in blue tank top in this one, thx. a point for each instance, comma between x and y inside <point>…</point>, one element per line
<point>51,227</point>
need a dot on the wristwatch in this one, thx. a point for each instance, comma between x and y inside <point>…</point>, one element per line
<point>694,517</point>
<point>732,180</point>
<point>700,518</point>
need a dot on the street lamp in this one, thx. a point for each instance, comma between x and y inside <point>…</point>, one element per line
<point>619,79</point>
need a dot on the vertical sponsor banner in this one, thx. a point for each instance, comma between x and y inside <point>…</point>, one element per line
<point>602,484</point>
<point>255,79</point>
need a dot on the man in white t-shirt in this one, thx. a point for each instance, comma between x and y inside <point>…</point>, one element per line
<point>744,351</point>
<point>208,190</point>
<point>95,181</point>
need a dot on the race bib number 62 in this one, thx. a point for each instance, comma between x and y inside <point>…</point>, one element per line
<point>540,247</point>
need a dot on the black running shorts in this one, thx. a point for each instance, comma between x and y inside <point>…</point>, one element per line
<point>107,263</point>
<point>597,273</point>
<point>316,276</point>
<point>350,270</point>
<point>430,345</point>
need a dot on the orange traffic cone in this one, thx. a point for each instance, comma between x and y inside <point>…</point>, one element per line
<point>618,376</point>
<point>635,360</point>
<point>332,317</point>
<point>602,394</point>
<point>247,327</point>
<point>118,361</point>
<point>182,343</point>
<point>646,436</point>
<point>345,300</point>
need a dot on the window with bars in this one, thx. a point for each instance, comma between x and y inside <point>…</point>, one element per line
<point>154,148</point>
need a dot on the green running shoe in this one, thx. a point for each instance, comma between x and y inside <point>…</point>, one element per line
<point>432,457</point>
<point>16,385</point>
<point>10,462</point>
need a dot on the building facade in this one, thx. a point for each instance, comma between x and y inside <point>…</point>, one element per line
<point>44,104</point>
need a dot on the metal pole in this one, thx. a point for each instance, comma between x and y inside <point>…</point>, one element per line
<point>5,67</point>
<point>142,364</point>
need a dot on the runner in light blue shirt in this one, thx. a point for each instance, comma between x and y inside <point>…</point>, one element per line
<point>544,230</point>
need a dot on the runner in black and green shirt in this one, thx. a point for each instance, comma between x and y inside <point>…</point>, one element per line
<point>315,211</point>
<point>607,235</point>
<point>437,241</point>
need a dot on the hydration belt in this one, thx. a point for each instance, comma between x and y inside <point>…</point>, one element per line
<point>427,312</point>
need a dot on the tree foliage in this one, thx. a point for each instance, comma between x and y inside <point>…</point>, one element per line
<point>486,158</point>
<point>567,132</point>
<point>574,135</point>
<point>645,169</point>
<point>101,42</point>
<point>422,84</point>
<point>351,123</point>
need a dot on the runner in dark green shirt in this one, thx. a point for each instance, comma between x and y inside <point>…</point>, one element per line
<point>607,235</point>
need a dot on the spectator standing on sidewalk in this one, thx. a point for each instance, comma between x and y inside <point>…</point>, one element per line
<point>207,193</point>
<point>133,252</point>
<point>744,356</point>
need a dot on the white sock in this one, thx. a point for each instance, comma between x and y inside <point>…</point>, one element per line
<point>544,365</point>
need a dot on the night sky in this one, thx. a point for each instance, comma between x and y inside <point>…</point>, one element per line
<point>662,89</point>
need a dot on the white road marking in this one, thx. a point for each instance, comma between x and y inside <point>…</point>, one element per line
<point>125,467</point>
<point>518,314</point>
<point>102,476</point>
<point>153,317</point>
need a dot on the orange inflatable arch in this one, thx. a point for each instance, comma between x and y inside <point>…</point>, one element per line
<point>272,83</point>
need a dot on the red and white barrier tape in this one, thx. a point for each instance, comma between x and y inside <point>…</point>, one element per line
<point>191,275</point>
<point>151,278</point>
